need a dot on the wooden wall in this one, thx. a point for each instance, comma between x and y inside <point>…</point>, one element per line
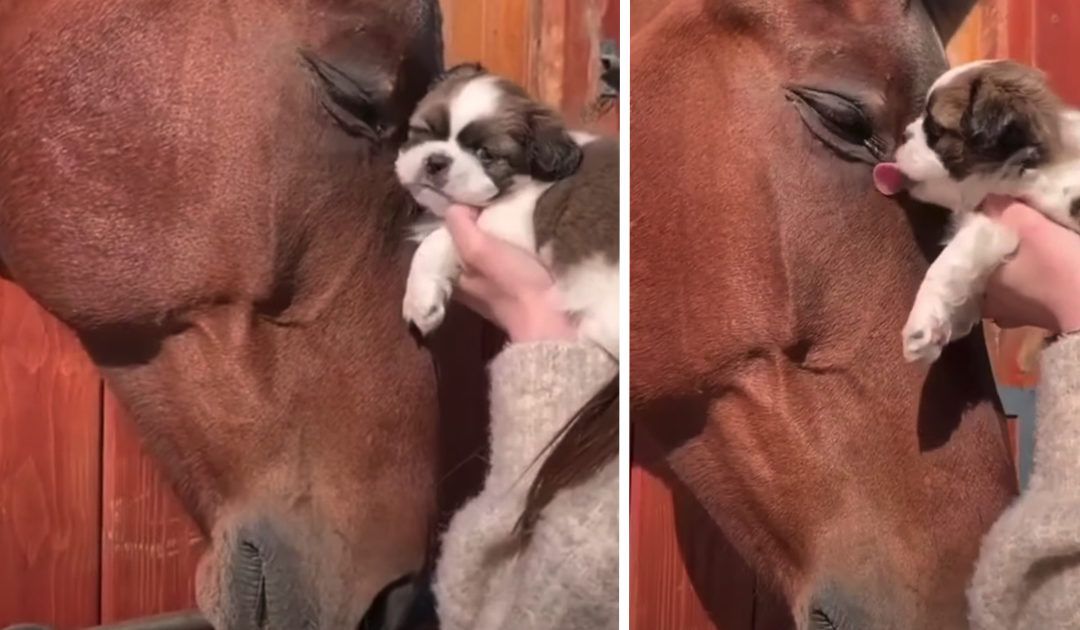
<point>50,479</point>
<point>89,530</point>
<point>666,594</point>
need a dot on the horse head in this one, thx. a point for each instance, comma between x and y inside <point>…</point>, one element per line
<point>205,193</point>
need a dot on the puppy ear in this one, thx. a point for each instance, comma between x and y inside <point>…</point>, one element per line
<point>552,153</point>
<point>1000,127</point>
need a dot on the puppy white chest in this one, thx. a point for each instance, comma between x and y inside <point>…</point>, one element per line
<point>511,218</point>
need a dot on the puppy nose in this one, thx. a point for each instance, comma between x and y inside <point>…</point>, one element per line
<point>436,163</point>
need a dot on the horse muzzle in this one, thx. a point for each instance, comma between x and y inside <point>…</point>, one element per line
<point>252,581</point>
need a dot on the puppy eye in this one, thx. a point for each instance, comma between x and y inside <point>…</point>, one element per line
<point>839,121</point>
<point>483,155</point>
<point>932,130</point>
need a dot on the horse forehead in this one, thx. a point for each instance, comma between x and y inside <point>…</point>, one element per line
<point>795,12</point>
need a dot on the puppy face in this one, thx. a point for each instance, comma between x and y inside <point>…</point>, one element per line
<point>476,136</point>
<point>987,119</point>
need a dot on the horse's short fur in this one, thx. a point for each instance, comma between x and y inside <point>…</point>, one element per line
<point>989,127</point>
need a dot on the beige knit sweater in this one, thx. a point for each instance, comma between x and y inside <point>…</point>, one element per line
<point>1028,573</point>
<point>567,577</point>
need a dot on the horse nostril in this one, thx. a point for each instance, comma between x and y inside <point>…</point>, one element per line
<point>264,586</point>
<point>250,577</point>
<point>821,621</point>
<point>436,163</point>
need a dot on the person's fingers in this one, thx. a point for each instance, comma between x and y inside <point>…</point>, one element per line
<point>1011,307</point>
<point>1015,214</point>
<point>476,286</point>
<point>470,241</point>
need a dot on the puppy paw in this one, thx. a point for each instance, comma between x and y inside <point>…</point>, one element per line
<point>425,303</point>
<point>925,335</point>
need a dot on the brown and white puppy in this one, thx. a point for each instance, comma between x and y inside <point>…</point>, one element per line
<point>989,127</point>
<point>479,140</point>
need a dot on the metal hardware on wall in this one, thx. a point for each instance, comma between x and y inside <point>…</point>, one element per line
<point>607,88</point>
<point>609,78</point>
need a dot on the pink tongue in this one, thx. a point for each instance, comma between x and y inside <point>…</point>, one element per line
<point>888,178</point>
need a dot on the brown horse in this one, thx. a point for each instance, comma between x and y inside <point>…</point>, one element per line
<point>204,192</point>
<point>769,286</point>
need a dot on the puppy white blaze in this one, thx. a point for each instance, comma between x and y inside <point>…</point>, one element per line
<point>477,100</point>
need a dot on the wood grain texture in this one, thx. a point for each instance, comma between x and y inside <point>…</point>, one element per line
<point>1056,24</point>
<point>581,68</point>
<point>493,32</point>
<point>567,65</point>
<point>149,545</point>
<point>684,575</point>
<point>50,453</point>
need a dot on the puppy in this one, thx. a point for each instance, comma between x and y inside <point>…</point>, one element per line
<point>478,139</point>
<point>990,127</point>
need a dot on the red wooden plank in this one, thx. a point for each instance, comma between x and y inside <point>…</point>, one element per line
<point>1012,423</point>
<point>581,69</point>
<point>1056,46</point>
<point>677,553</point>
<point>50,454</point>
<point>611,23</point>
<point>1018,22</point>
<point>149,545</point>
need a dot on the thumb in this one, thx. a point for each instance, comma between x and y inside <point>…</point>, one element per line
<point>468,239</point>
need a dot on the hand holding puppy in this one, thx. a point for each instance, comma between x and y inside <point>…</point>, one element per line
<point>1040,284</point>
<point>506,284</point>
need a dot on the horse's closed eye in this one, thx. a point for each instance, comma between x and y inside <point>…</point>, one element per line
<point>838,121</point>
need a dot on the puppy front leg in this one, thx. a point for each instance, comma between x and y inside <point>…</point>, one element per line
<point>947,304</point>
<point>435,266</point>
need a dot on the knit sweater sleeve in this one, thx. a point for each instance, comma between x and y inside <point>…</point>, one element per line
<point>1028,573</point>
<point>568,578</point>
<point>535,389</point>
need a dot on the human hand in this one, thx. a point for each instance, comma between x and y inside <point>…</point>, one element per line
<point>506,284</point>
<point>1040,284</point>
